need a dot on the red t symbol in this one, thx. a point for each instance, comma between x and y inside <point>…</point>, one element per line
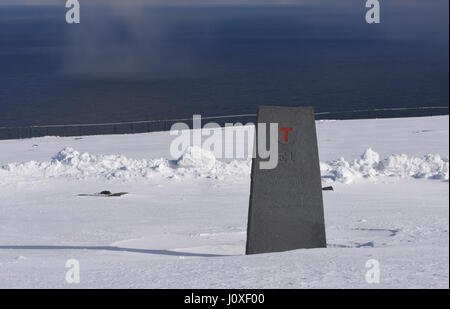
<point>285,131</point>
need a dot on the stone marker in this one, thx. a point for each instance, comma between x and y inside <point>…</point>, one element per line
<point>286,206</point>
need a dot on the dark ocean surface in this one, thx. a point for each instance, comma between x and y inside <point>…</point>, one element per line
<point>126,64</point>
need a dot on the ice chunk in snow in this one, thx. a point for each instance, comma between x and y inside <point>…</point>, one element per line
<point>430,166</point>
<point>197,157</point>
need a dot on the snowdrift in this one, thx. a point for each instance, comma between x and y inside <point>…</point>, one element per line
<point>397,165</point>
<point>198,163</point>
<point>68,162</point>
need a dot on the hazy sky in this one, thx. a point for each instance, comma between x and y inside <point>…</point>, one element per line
<point>165,2</point>
<point>174,61</point>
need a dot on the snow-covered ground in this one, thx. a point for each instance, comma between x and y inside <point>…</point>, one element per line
<point>183,223</point>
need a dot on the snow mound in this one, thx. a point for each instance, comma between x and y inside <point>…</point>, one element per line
<point>196,157</point>
<point>397,165</point>
<point>71,163</point>
<point>199,163</point>
<point>202,163</point>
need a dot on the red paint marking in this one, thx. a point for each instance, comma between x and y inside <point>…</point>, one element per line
<point>286,132</point>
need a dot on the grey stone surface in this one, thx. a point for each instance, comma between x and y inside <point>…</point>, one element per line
<point>286,205</point>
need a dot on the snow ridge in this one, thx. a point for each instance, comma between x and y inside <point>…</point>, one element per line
<point>199,163</point>
<point>370,166</point>
<point>70,163</point>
